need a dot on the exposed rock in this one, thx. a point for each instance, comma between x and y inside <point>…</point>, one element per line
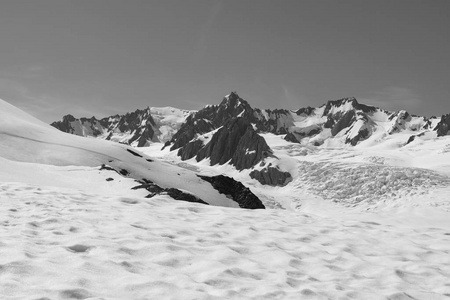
<point>305,111</point>
<point>399,121</point>
<point>190,150</point>
<point>65,124</point>
<point>124,172</point>
<point>443,127</point>
<point>236,142</point>
<point>106,167</point>
<point>276,121</point>
<point>343,121</point>
<point>413,137</point>
<point>362,135</point>
<point>297,133</point>
<point>188,131</point>
<point>134,153</point>
<point>174,193</point>
<point>235,190</point>
<point>290,137</point>
<point>271,176</point>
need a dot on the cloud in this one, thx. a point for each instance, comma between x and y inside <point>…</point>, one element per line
<point>394,98</point>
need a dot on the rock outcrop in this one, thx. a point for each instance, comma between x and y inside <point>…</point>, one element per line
<point>234,190</point>
<point>290,137</point>
<point>174,193</point>
<point>443,127</point>
<point>271,176</point>
<point>236,142</point>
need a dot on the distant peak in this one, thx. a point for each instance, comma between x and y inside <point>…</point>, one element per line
<point>349,103</point>
<point>233,100</point>
<point>232,95</point>
<point>68,118</point>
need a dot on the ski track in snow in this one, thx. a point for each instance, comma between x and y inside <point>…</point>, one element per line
<point>63,244</point>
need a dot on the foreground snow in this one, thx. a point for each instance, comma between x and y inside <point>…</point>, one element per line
<point>60,243</point>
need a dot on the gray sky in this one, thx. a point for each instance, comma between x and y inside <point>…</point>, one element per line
<point>94,57</point>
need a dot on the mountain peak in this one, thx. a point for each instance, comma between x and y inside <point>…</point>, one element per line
<point>346,104</point>
<point>233,100</point>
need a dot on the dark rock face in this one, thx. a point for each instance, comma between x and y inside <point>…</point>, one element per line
<point>290,137</point>
<point>190,150</point>
<point>443,127</point>
<point>299,133</point>
<point>343,121</point>
<point>271,176</point>
<point>64,125</point>
<point>235,190</point>
<point>413,137</point>
<point>188,131</point>
<point>174,193</point>
<point>305,111</point>
<point>236,141</point>
<point>276,121</point>
<point>89,124</point>
<point>362,135</point>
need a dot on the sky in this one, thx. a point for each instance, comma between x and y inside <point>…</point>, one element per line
<point>96,57</point>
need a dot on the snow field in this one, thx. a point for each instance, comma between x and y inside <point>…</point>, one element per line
<point>62,244</point>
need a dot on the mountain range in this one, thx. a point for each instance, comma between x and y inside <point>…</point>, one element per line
<point>230,132</point>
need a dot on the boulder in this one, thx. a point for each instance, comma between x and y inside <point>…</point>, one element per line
<point>271,176</point>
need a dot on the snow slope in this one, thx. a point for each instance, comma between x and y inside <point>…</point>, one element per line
<point>67,233</point>
<point>63,244</point>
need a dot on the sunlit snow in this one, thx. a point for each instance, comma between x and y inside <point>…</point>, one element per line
<point>359,222</point>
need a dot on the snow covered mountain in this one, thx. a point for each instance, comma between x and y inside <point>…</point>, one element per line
<point>92,219</point>
<point>139,128</point>
<point>230,132</point>
<point>40,143</point>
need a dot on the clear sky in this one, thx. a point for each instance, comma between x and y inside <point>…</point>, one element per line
<point>95,57</point>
